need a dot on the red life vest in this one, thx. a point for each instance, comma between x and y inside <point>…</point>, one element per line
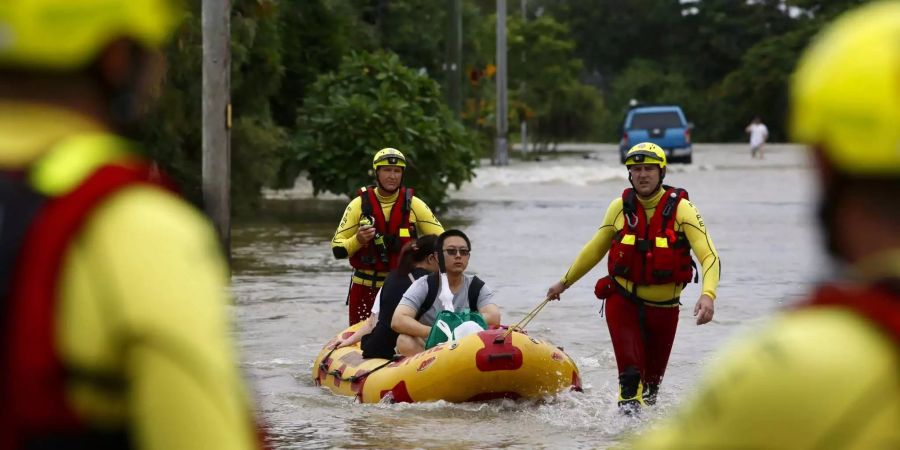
<point>35,410</point>
<point>653,253</point>
<point>395,232</point>
<point>879,303</point>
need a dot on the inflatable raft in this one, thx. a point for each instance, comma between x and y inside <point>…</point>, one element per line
<point>488,365</point>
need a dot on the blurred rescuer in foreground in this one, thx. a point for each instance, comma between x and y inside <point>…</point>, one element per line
<point>113,291</point>
<point>827,373</point>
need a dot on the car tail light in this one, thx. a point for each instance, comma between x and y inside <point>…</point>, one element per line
<point>687,136</point>
<point>625,139</point>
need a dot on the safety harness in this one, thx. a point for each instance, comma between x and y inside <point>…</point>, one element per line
<point>383,254</point>
<point>651,253</point>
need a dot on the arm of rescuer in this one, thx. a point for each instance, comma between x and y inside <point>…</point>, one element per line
<point>592,252</point>
<point>144,299</point>
<point>425,220</point>
<point>349,237</point>
<point>689,221</point>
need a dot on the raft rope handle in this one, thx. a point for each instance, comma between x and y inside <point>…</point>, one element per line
<point>352,378</point>
<point>525,320</point>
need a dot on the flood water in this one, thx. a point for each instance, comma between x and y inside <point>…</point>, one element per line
<point>527,222</point>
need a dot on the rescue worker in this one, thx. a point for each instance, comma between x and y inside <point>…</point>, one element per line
<point>375,227</point>
<point>826,373</point>
<point>648,232</point>
<point>112,289</point>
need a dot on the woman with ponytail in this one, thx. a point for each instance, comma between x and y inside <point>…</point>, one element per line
<point>417,259</point>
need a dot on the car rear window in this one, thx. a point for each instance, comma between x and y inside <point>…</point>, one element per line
<point>651,120</point>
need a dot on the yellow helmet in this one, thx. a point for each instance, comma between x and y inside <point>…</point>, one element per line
<point>388,157</point>
<point>845,93</point>
<point>646,153</point>
<point>69,34</point>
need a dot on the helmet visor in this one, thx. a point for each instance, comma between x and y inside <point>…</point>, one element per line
<point>641,157</point>
<point>390,160</point>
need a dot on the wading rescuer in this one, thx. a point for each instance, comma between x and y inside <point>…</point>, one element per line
<point>113,321</point>
<point>826,373</point>
<point>376,225</point>
<point>648,232</point>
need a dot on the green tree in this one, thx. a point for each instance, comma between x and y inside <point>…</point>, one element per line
<point>174,133</point>
<point>543,80</point>
<point>371,102</point>
<point>650,82</point>
<point>758,87</point>
<point>609,33</point>
<point>315,34</point>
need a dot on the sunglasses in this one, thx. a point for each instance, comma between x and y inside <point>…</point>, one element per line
<point>453,251</point>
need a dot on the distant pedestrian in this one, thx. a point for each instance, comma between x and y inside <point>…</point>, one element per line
<point>759,134</point>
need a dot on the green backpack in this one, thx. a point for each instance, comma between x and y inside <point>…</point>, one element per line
<point>445,325</point>
<point>450,319</point>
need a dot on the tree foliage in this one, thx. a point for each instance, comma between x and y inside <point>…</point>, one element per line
<point>573,67</point>
<point>373,101</point>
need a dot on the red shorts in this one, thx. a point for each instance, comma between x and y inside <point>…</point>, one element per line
<point>652,357</point>
<point>360,298</point>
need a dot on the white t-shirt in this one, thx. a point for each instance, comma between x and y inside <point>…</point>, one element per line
<point>758,134</point>
<point>376,307</point>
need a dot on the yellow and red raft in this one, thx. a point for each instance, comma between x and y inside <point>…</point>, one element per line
<point>489,365</point>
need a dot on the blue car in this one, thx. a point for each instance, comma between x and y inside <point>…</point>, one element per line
<point>664,126</point>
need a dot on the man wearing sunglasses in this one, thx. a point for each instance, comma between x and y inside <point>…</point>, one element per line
<point>649,233</point>
<point>376,225</point>
<point>421,304</point>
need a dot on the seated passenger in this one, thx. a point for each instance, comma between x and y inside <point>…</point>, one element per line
<point>417,259</point>
<point>418,309</point>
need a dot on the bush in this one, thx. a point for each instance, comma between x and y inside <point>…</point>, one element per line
<point>572,111</point>
<point>372,102</point>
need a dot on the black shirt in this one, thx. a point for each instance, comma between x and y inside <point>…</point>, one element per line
<point>381,341</point>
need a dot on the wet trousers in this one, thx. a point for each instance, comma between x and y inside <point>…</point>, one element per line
<point>648,358</point>
<point>360,298</point>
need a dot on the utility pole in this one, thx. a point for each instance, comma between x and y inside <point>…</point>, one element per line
<point>454,57</point>
<point>523,122</point>
<point>215,16</point>
<point>501,157</point>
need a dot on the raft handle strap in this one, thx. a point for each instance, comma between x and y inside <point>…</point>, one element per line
<point>354,378</point>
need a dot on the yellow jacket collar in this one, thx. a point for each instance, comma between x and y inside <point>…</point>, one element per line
<point>652,201</point>
<point>387,199</point>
